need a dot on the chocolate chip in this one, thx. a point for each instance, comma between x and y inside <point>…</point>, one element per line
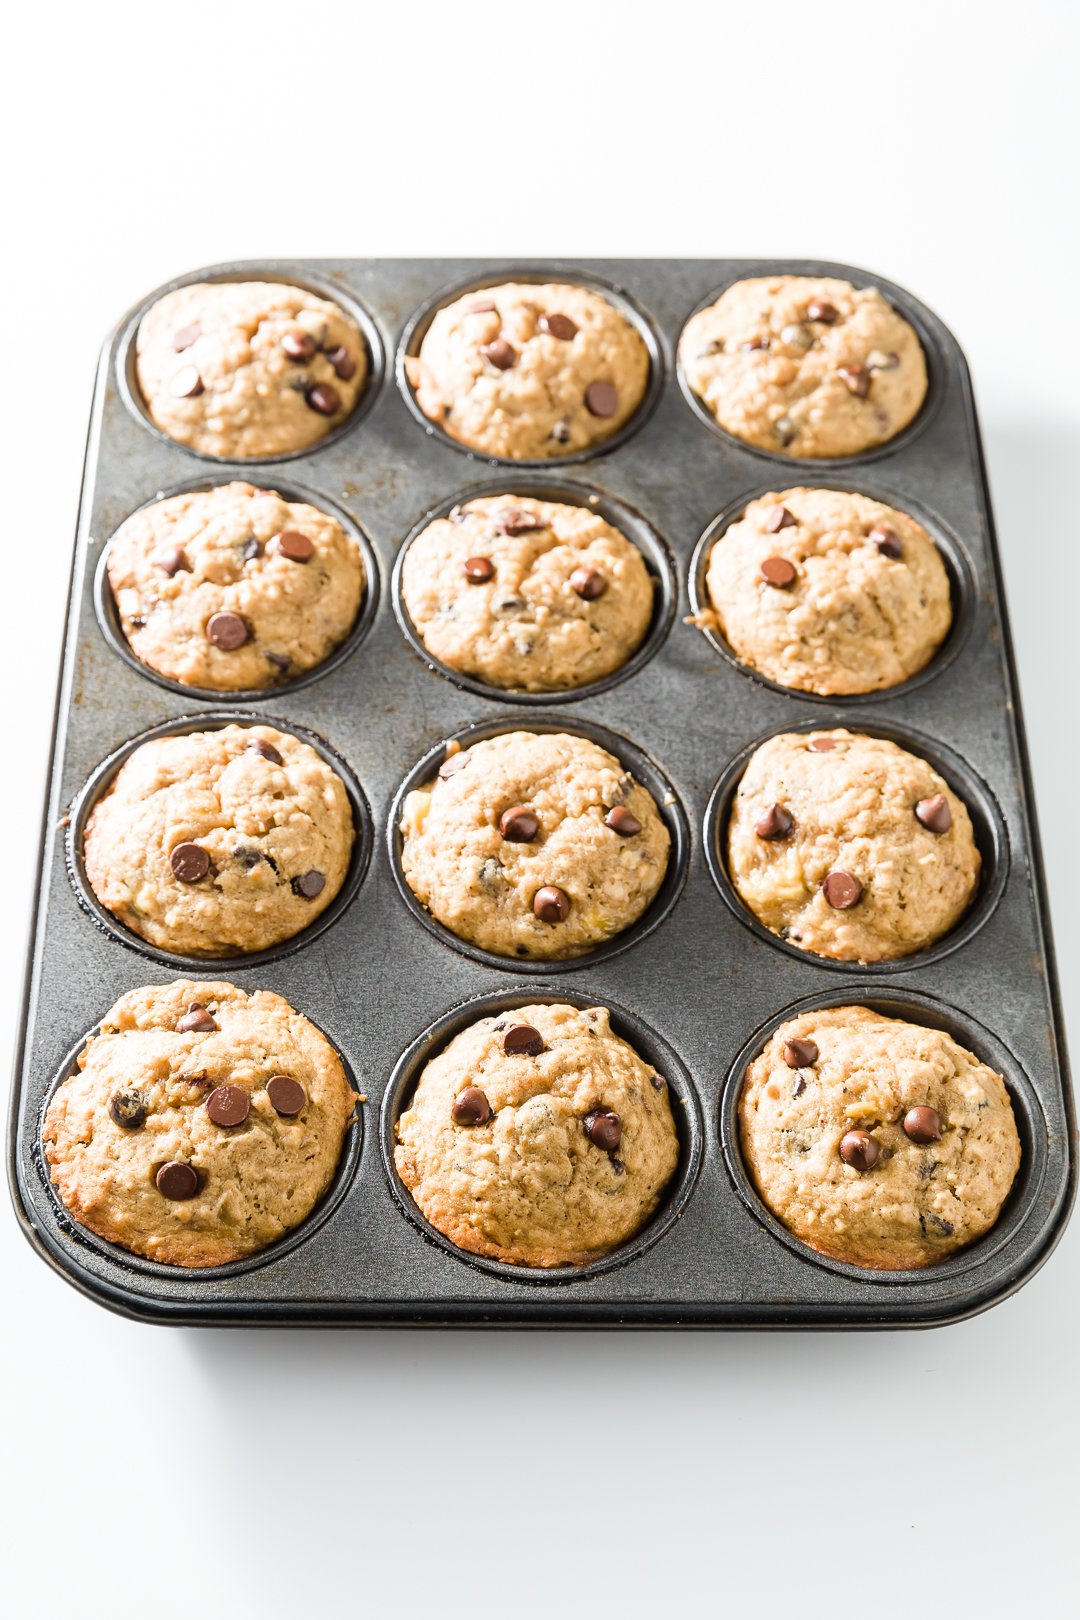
<point>478,570</point>
<point>785,429</point>
<point>295,546</point>
<point>551,904</point>
<point>172,563</point>
<point>775,823</point>
<point>859,1149</point>
<point>190,863</point>
<point>323,398</point>
<point>780,518</point>
<point>196,1021</point>
<point>777,571</point>
<point>754,343</point>
<point>343,363</point>
<point>186,384</point>
<point>470,1107</point>
<point>558,326</point>
<point>801,1054</point>
<point>946,1228</point>
<point>842,891</point>
<point>522,1040</point>
<point>176,1180</point>
<point>252,548</point>
<point>519,825</point>
<point>227,631</point>
<point>856,379</point>
<point>280,661</point>
<point>265,750</point>
<point>453,763</point>
<point>819,309</point>
<point>299,346</point>
<point>800,1085</point>
<point>287,1096</point>
<point>499,353</point>
<point>512,521</point>
<point>821,745</point>
<point>934,813</point>
<point>798,335</point>
<point>186,336</point>
<point>923,1124</point>
<point>561,431</point>
<point>588,583</point>
<point>879,361</point>
<point>250,858</point>
<point>601,399</point>
<point>887,541</point>
<point>308,884</point>
<point>603,1127</point>
<point>128,1109</point>
<point>481,306</point>
<point>228,1105</point>
<point>622,821</point>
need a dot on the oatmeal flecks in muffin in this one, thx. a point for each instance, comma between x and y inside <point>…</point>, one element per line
<point>526,372</point>
<point>866,605</point>
<point>538,1137</point>
<point>286,578</point>
<point>171,1138</point>
<point>805,366</point>
<point>527,594</point>
<point>879,1142</point>
<point>248,369</point>
<point>854,870</point>
<point>578,881</point>
<point>215,842</point>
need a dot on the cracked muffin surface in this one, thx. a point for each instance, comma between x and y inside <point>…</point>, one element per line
<point>527,594</point>
<point>826,591</point>
<point>878,1142</point>
<point>527,371</point>
<point>849,846</point>
<point>538,1137</point>
<point>248,369</point>
<point>215,842</point>
<point>203,1123</point>
<point>534,845</point>
<point>805,366</point>
<point>234,587</point>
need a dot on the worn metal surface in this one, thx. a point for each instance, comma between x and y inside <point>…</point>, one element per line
<point>700,990</point>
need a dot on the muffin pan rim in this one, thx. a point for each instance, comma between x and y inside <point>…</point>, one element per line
<point>108,615</point>
<point>659,559</point>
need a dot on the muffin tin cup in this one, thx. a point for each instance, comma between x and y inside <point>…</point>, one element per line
<point>416,330</point>
<point>127,380</point>
<point>950,549</point>
<point>987,821</point>
<point>914,1007</point>
<point>646,1042</point>
<point>643,770</point>
<point>108,615</point>
<point>81,1236</point>
<point>901,301</point>
<point>637,529</point>
<point>695,985</point>
<point>102,779</point>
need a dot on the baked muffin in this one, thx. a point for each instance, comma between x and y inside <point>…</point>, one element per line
<point>212,843</point>
<point>850,847</point>
<point>234,587</point>
<point>534,844</point>
<point>203,1123</point>
<point>825,591</point>
<point>529,595</point>
<point>805,366</point>
<point>525,372</point>
<point>248,369</point>
<point>879,1142</point>
<point>538,1137</point>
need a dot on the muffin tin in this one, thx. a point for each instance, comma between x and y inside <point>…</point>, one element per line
<point>697,985</point>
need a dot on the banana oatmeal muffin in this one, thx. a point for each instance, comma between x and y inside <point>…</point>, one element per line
<point>527,594</point>
<point>878,1142</point>
<point>203,1123</point>
<point>538,1137</point>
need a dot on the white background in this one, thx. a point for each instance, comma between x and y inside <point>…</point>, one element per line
<point>167,1473</point>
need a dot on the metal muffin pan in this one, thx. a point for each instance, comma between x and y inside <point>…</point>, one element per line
<point>696,985</point>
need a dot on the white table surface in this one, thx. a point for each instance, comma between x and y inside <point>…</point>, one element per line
<point>167,1472</point>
